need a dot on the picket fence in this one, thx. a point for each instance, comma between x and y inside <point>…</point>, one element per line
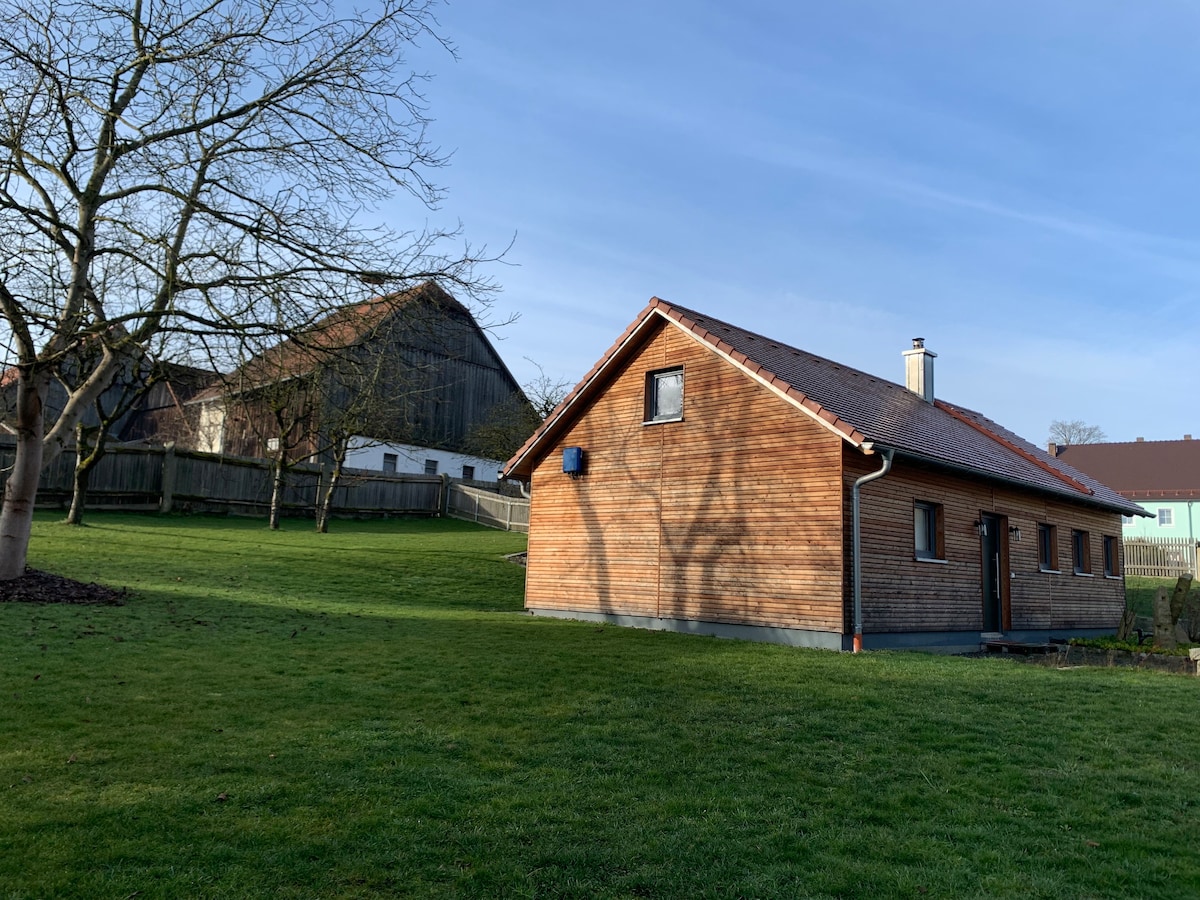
<point>1161,557</point>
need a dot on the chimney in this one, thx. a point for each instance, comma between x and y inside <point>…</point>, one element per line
<point>1052,448</point>
<point>1187,437</point>
<point>1141,440</point>
<point>918,370</point>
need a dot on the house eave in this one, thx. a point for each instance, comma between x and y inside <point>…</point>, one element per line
<point>520,467</point>
<point>962,468</point>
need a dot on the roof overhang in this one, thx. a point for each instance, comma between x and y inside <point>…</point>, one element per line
<point>656,315</point>
<point>1072,496</point>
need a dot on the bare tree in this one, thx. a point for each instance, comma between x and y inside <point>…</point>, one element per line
<point>1064,433</point>
<point>511,423</point>
<point>198,169</point>
<point>139,374</point>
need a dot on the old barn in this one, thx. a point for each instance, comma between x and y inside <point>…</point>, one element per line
<point>707,479</point>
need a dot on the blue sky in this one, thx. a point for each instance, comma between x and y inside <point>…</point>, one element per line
<point>1018,183</point>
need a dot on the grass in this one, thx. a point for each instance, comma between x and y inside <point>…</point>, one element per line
<point>1140,591</point>
<point>364,713</point>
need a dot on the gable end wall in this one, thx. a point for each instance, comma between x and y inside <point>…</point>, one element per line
<point>732,515</point>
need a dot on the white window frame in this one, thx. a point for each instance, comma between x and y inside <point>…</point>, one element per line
<point>1166,517</point>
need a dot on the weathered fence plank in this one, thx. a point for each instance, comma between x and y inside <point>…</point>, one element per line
<point>488,508</point>
<point>143,478</point>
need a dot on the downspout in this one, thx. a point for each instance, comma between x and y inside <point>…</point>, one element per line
<point>857,539</point>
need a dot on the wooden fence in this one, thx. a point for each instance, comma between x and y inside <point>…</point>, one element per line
<point>1160,557</point>
<point>166,479</point>
<point>488,508</point>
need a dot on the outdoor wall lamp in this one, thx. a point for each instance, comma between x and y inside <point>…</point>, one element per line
<point>1015,531</point>
<point>981,527</point>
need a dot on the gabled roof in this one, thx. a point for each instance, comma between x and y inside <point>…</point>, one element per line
<point>864,411</point>
<point>1141,470</point>
<point>341,329</point>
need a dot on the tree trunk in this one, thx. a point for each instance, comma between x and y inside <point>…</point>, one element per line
<point>86,457</point>
<point>16,515</point>
<point>278,483</point>
<point>79,486</point>
<point>339,457</point>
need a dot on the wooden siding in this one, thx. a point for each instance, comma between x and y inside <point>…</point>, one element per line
<point>731,515</point>
<point>903,594</point>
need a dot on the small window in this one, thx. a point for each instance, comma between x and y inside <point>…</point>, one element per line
<point>431,467</point>
<point>389,462</point>
<point>1047,547</point>
<point>273,446</point>
<point>1126,521</point>
<point>1081,553</point>
<point>1112,557</point>
<point>929,541</point>
<point>469,473</point>
<point>1166,517</point>
<point>664,395</point>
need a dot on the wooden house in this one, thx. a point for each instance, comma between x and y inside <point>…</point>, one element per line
<point>705,479</point>
<point>401,373</point>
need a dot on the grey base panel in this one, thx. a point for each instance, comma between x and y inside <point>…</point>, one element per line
<point>930,641</point>
<point>970,641</point>
<point>793,637</point>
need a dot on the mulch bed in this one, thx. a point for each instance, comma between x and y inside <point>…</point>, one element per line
<point>42,587</point>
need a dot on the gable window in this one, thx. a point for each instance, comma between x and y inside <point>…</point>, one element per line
<point>1166,517</point>
<point>1112,557</point>
<point>1047,547</point>
<point>389,462</point>
<point>431,467</point>
<point>469,473</point>
<point>664,395</point>
<point>1081,553</point>
<point>929,538</point>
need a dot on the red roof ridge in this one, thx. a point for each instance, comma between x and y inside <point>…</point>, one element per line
<point>1020,451</point>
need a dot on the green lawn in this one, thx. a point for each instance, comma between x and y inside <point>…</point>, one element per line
<point>365,713</point>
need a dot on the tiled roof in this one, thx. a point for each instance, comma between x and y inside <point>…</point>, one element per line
<point>1141,470</point>
<point>859,407</point>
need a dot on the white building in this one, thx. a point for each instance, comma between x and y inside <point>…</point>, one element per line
<point>364,453</point>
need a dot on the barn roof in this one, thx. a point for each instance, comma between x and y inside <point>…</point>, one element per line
<point>339,330</point>
<point>1141,470</point>
<point>864,411</point>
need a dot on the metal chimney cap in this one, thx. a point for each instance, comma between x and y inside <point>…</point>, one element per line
<point>919,343</point>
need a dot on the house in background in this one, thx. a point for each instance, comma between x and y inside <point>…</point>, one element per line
<point>413,460</point>
<point>403,379</point>
<point>1163,477</point>
<point>706,479</point>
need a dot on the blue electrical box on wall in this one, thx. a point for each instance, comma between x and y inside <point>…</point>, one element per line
<point>573,461</point>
